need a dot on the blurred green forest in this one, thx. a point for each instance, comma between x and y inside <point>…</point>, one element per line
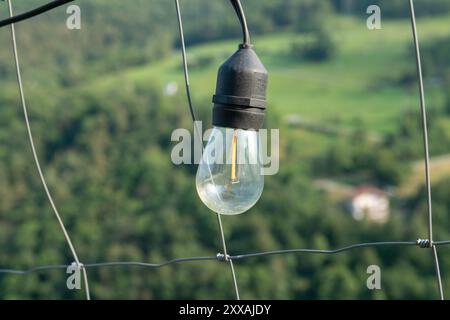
<point>102,123</point>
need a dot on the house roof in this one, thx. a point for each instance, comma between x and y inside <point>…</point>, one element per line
<point>368,190</point>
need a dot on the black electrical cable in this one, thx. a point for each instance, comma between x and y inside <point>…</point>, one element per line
<point>241,15</point>
<point>57,3</point>
<point>35,12</point>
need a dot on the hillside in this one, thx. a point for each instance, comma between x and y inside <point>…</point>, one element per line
<point>361,86</point>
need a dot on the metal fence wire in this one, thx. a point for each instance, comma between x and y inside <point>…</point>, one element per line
<point>224,256</point>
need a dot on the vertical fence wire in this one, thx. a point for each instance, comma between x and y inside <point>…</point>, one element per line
<point>423,113</point>
<point>227,258</point>
<point>35,156</point>
<point>194,119</point>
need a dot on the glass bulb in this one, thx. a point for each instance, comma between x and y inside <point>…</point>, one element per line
<point>229,177</point>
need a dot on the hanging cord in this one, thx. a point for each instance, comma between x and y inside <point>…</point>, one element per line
<point>426,147</point>
<point>34,12</point>
<point>186,72</point>
<point>35,157</point>
<point>241,16</point>
<point>194,119</point>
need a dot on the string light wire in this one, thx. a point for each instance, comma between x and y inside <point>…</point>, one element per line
<point>33,13</point>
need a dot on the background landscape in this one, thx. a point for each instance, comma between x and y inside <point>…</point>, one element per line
<point>344,97</point>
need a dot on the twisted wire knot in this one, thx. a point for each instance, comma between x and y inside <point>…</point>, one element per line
<point>222,257</point>
<point>424,243</point>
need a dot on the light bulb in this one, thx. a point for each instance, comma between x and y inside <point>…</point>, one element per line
<point>229,178</point>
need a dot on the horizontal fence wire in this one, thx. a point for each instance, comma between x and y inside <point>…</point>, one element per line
<point>220,257</point>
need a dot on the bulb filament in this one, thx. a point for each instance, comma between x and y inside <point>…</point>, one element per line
<point>234,178</point>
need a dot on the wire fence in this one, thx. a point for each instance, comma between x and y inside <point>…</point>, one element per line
<point>224,256</point>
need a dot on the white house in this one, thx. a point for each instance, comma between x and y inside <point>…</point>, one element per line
<point>170,89</point>
<point>369,203</point>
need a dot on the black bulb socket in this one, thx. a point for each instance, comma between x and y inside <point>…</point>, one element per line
<point>240,99</point>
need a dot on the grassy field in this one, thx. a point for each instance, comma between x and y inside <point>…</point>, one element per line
<point>359,85</point>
